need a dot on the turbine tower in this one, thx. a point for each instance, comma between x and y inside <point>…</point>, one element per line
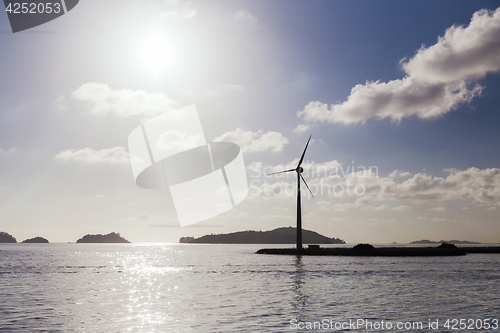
<point>299,171</point>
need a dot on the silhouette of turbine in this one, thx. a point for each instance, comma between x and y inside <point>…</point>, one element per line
<point>298,170</point>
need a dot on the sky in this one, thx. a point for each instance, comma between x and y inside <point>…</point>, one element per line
<point>401,98</point>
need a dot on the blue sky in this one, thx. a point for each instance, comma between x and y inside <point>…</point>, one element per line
<point>265,75</point>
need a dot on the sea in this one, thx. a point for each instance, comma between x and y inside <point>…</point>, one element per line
<point>229,288</point>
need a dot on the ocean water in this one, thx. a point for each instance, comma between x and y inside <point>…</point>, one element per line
<point>228,288</point>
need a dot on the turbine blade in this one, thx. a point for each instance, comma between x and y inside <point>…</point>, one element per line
<point>306,185</point>
<point>302,157</point>
<point>280,172</point>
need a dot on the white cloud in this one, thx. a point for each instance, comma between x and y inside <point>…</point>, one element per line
<point>8,151</point>
<point>94,199</point>
<point>441,219</point>
<point>381,207</point>
<point>61,103</point>
<point>269,191</point>
<point>438,209</point>
<point>473,185</point>
<point>255,141</point>
<point>244,17</point>
<point>185,13</point>
<point>363,202</point>
<point>438,79</point>
<point>434,219</point>
<point>329,178</point>
<point>172,141</point>
<point>463,53</point>
<point>401,208</point>
<point>255,168</point>
<point>324,205</point>
<point>116,155</point>
<point>301,128</point>
<point>397,173</point>
<point>330,206</point>
<point>395,100</point>
<point>122,102</point>
<point>224,89</point>
<point>480,185</point>
<point>179,10</point>
<point>324,179</point>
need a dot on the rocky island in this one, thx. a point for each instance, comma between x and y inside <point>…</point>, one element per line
<point>109,238</point>
<point>453,241</point>
<point>7,238</point>
<point>36,240</point>
<point>276,236</point>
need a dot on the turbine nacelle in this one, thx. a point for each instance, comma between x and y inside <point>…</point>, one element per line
<point>298,169</point>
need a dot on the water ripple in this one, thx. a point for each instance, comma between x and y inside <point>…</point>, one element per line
<point>184,288</point>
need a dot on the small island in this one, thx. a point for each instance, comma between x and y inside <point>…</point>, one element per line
<point>109,238</point>
<point>453,241</point>
<point>7,238</point>
<point>276,236</point>
<point>36,240</point>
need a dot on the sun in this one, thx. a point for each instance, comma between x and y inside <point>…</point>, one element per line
<point>156,53</point>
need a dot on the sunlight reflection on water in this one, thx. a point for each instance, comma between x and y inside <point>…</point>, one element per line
<point>214,288</point>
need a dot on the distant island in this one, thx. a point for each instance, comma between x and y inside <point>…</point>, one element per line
<point>7,238</point>
<point>276,236</point>
<point>36,240</point>
<point>453,241</point>
<point>109,238</point>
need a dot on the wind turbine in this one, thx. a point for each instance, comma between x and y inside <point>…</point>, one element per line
<point>299,170</point>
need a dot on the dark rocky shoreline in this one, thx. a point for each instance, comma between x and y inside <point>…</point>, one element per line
<point>365,251</point>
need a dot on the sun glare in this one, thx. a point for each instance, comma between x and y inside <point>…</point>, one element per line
<point>156,53</point>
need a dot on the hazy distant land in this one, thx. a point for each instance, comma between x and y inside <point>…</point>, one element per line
<point>453,241</point>
<point>7,238</point>
<point>36,240</point>
<point>285,235</point>
<point>109,238</point>
<point>276,236</point>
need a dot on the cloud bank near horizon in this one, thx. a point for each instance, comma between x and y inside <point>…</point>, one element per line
<point>115,155</point>
<point>329,179</point>
<point>438,78</point>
